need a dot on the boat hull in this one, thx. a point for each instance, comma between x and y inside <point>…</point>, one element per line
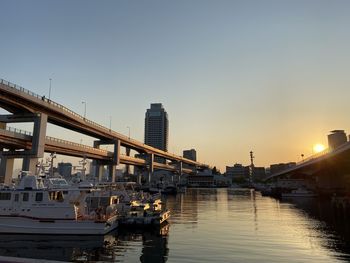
<point>155,220</point>
<point>23,225</point>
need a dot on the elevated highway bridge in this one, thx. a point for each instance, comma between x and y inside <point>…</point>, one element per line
<point>327,171</point>
<point>26,106</point>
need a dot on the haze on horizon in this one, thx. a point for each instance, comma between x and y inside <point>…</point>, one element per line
<point>234,76</point>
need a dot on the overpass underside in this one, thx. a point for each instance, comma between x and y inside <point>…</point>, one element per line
<point>327,174</point>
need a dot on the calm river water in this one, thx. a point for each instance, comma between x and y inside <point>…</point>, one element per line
<point>210,225</point>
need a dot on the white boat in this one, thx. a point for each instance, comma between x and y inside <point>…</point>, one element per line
<point>145,214</point>
<point>31,208</point>
<point>300,192</point>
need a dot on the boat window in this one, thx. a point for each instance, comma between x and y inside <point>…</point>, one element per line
<point>16,197</point>
<point>56,196</point>
<point>39,197</point>
<point>5,196</point>
<point>25,196</point>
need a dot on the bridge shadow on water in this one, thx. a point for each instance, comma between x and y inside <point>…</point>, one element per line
<point>333,223</point>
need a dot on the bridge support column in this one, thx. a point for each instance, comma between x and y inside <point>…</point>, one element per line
<point>39,135</point>
<point>150,167</point>
<point>180,165</point>
<point>111,171</point>
<point>99,169</point>
<point>29,164</point>
<point>127,167</point>
<point>6,170</point>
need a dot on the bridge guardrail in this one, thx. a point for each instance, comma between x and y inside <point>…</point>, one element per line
<point>60,106</point>
<point>16,130</point>
<point>75,144</point>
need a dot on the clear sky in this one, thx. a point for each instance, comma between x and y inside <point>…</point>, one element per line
<point>234,76</point>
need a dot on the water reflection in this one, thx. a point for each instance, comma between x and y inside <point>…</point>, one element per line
<point>111,248</point>
<point>333,225</point>
<point>210,225</point>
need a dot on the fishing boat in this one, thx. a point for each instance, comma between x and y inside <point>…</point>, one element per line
<point>145,214</point>
<point>32,208</point>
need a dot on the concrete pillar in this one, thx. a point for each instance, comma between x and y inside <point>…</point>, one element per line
<point>29,164</point>
<point>39,135</point>
<point>6,170</point>
<point>151,167</point>
<point>127,167</point>
<point>180,172</point>
<point>99,171</point>
<point>111,171</point>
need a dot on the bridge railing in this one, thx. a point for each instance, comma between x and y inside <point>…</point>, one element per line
<point>60,106</point>
<point>75,144</point>
<point>314,156</point>
<point>16,130</point>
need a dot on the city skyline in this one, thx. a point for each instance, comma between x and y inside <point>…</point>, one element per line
<point>234,77</point>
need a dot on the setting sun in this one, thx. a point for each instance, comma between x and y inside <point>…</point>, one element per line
<point>319,148</point>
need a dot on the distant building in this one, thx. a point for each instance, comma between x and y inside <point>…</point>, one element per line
<point>65,169</point>
<point>259,174</point>
<point>237,170</point>
<point>275,168</point>
<point>336,138</point>
<point>157,128</point>
<point>190,154</point>
<point>240,173</point>
<point>202,179</point>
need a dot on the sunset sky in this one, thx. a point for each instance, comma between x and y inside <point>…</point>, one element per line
<point>234,76</point>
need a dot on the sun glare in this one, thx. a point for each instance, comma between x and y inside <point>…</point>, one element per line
<point>319,148</point>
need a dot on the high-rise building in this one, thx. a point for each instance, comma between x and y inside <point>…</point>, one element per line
<point>336,138</point>
<point>190,154</point>
<point>157,127</point>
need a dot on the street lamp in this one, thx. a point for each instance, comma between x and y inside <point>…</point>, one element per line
<point>129,131</point>
<point>84,102</point>
<point>110,123</point>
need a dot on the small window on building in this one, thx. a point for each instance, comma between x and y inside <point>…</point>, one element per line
<point>16,197</point>
<point>39,197</point>
<point>25,197</point>
<point>5,196</point>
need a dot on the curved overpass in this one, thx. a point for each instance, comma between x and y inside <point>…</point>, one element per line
<point>18,100</point>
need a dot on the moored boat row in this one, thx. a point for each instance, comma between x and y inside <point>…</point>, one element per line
<point>51,206</point>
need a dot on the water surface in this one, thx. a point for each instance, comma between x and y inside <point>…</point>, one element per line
<point>210,225</point>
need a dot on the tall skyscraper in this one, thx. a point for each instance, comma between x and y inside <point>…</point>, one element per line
<point>157,127</point>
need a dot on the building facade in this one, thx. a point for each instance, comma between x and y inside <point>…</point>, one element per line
<point>190,154</point>
<point>157,127</point>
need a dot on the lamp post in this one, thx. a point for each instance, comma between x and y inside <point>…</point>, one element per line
<point>84,102</point>
<point>129,131</point>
